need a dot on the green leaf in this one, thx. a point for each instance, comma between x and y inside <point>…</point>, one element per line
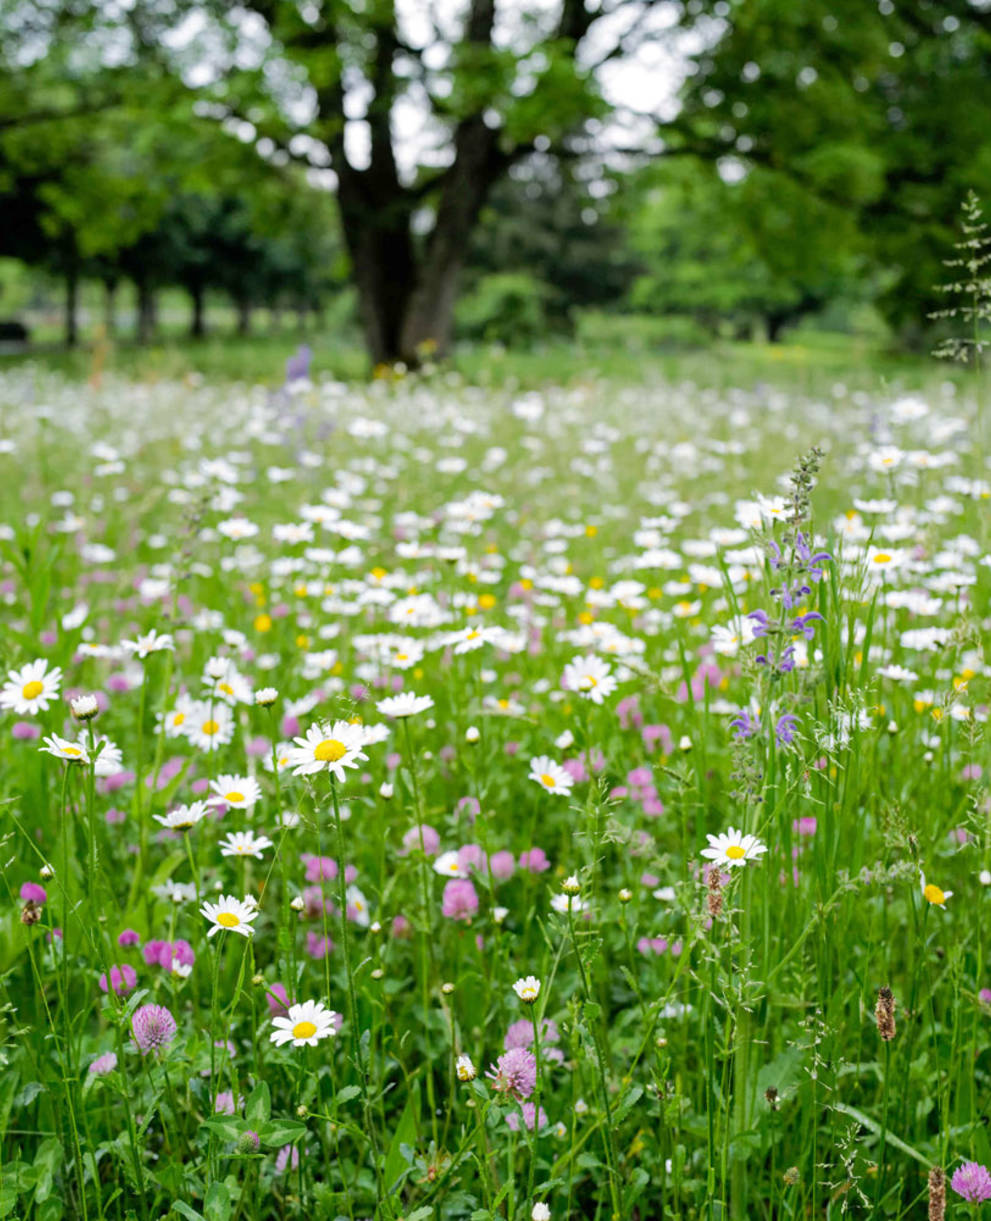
<point>227,1127</point>
<point>281,1132</point>
<point>184,1210</point>
<point>396,1163</point>
<point>217,1202</point>
<point>626,1103</point>
<point>259,1105</point>
<point>346,1094</point>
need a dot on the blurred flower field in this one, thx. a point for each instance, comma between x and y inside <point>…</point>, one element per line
<point>428,802</point>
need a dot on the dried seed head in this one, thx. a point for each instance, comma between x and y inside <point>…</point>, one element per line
<point>30,912</point>
<point>937,1194</point>
<point>771,1095</point>
<point>884,1014</point>
<point>792,1176</point>
<point>715,883</point>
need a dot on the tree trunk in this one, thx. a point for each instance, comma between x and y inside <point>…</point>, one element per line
<point>197,323</point>
<point>146,311</point>
<point>71,307</point>
<point>776,323</point>
<point>109,308</point>
<point>243,318</point>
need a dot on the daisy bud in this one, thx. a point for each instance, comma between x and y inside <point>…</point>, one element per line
<point>301,1112</point>
<point>447,989</point>
<point>985,877</point>
<point>892,727</point>
<point>378,973</point>
<point>375,927</point>
<point>625,895</point>
<point>527,989</point>
<point>540,1212</point>
<point>385,791</point>
<point>257,980</point>
<point>927,757</point>
<point>937,1194</point>
<point>884,1014</point>
<point>685,744</point>
<point>297,903</point>
<point>84,707</point>
<point>265,697</point>
<point>499,914</point>
<point>660,1041</point>
<point>571,885</point>
<point>471,734</point>
<point>47,871</point>
<point>464,1068</point>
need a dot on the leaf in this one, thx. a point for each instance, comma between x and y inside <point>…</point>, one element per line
<point>396,1164</point>
<point>217,1202</point>
<point>184,1210</point>
<point>259,1105</point>
<point>227,1127</point>
<point>626,1103</point>
<point>872,1126</point>
<point>346,1094</point>
<point>281,1132</point>
<point>420,1214</point>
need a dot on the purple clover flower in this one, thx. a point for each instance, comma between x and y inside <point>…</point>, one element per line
<point>153,1027</point>
<point>972,1182</point>
<point>515,1073</point>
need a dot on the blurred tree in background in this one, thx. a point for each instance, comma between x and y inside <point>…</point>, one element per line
<point>815,156</point>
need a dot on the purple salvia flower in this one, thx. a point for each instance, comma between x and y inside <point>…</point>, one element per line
<point>784,730</point>
<point>745,725</point>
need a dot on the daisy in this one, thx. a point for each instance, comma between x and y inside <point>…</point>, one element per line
<point>244,843</point>
<point>236,792</point>
<point>279,759</point>
<point>527,989</point>
<point>183,818</point>
<point>209,727</point>
<point>174,721</point>
<point>932,894</point>
<point>550,775</point>
<point>107,757</point>
<point>31,688</point>
<point>590,677</point>
<point>732,847</point>
<point>329,748</point>
<point>405,704</point>
<point>230,915</point>
<point>448,864</point>
<point>150,642</point>
<point>62,748</point>
<point>304,1025</point>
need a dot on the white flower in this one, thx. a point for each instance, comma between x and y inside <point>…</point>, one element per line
<point>329,748</point>
<point>84,707</point>
<point>448,865</point>
<point>304,1025</point>
<point>230,915</point>
<point>565,740</point>
<point>590,677</point>
<point>31,688</point>
<point>540,1212</point>
<point>182,818</point>
<point>237,792</point>
<point>727,640</point>
<point>244,843</point>
<point>265,697</point>
<point>62,748</point>
<point>208,727</point>
<point>464,1068</point>
<point>357,906</point>
<point>932,894</point>
<point>527,989</point>
<point>405,704</point>
<point>550,775</point>
<point>565,903</point>
<point>732,847</point>
<point>150,642</point>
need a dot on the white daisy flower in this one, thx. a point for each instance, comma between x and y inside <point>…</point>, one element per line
<point>245,843</point>
<point>62,748</point>
<point>174,721</point>
<point>329,748</point>
<point>732,847</point>
<point>209,727</point>
<point>404,705</point>
<point>230,915</point>
<point>183,818</point>
<point>448,865</point>
<point>304,1025</point>
<point>236,792</point>
<point>590,676</point>
<point>527,989</point>
<point>150,642</point>
<point>31,688</point>
<point>550,775</point>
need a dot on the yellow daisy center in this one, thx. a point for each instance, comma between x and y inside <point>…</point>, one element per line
<point>882,557</point>
<point>211,727</point>
<point>735,852</point>
<point>304,1030</point>
<point>592,682</point>
<point>473,635</point>
<point>228,919</point>
<point>234,795</point>
<point>934,894</point>
<point>329,751</point>
<point>72,750</point>
<point>547,779</point>
<point>226,688</point>
<point>178,718</point>
<point>32,690</point>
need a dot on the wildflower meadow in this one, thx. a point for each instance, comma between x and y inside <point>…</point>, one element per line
<point>421,801</point>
